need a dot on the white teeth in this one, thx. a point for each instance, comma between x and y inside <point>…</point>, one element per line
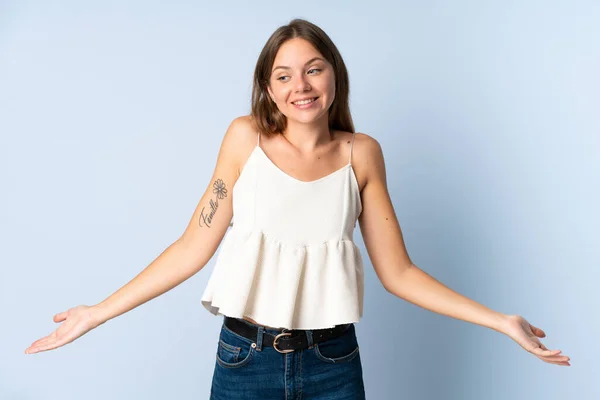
<point>302,102</point>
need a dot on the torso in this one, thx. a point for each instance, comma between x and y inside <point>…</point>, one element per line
<point>333,156</point>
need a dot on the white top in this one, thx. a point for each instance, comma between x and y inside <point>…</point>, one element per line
<point>290,261</point>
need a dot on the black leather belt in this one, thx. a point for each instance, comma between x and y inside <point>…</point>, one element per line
<point>286,341</point>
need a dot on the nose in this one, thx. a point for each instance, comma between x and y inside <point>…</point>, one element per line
<point>302,83</point>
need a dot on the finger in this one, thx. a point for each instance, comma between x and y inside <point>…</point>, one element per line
<point>39,341</point>
<point>36,348</point>
<point>45,347</point>
<point>37,344</point>
<point>537,331</point>
<point>545,353</point>
<point>52,335</point>
<point>555,358</point>
<point>50,344</point>
<point>562,363</point>
<point>545,348</point>
<point>44,341</point>
<point>56,340</point>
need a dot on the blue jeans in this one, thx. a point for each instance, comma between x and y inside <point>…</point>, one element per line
<point>329,370</point>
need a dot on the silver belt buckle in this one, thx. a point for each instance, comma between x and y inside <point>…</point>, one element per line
<point>283,333</point>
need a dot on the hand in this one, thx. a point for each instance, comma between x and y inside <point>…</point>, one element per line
<point>526,335</point>
<point>77,321</point>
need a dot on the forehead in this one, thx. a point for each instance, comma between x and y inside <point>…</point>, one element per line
<point>295,52</point>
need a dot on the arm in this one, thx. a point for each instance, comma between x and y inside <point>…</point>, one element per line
<point>182,259</point>
<point>196,246</point>
<point>398,274</point>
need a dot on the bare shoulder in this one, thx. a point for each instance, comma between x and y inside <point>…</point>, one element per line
<point>239,140</point>
<point>367,159</point>
<point>366,145</point>
<point>241,133</point>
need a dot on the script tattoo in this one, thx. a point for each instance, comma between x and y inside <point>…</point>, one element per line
<point>221,192</point>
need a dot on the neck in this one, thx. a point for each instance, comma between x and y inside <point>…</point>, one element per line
<point>308,136</point>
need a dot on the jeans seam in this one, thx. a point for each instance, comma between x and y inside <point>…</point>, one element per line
<point>237,364</point>
<point>230,348</point>
<point>338,360</point>
<point>300,376</point>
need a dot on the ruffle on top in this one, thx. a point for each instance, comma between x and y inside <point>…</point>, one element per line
<point>295,287</point>
<point>289,261</point>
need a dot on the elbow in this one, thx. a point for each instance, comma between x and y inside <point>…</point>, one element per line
<point>391,283</point>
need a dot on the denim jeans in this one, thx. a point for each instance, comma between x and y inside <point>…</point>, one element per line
<point>329,370</point>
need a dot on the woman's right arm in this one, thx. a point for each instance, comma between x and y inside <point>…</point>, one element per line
<point>182,259</point>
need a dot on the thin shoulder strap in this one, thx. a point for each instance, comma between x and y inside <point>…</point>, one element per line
<point>351,145</point>
<point>258,139</point>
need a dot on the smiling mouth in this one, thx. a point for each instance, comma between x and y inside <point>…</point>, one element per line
<point>304,102</point>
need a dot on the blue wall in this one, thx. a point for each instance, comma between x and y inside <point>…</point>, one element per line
<point>111,116</point>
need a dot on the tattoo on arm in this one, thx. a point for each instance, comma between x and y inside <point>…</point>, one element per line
<point>220,193</point>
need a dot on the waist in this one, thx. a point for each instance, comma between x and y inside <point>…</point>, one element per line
<point>256,323</point>
<point>282,339</point>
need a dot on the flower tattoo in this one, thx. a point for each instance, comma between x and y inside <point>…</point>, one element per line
<point>219,189</point>
<point>221,192</point>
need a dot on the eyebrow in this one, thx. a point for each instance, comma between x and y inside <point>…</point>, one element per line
<point>308,62</point>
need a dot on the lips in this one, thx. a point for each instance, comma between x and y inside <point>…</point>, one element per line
<point>308,98</point>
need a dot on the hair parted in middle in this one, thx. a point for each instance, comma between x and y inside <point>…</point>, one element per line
<point>265,114</point>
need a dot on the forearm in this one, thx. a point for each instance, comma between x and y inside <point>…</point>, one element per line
<point>173,266</point>
<point>416,286</point>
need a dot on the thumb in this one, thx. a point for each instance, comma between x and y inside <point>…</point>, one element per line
<point>60,317</point>
<point>537,331</point>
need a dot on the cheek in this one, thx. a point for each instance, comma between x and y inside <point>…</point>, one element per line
<point>329,85</point>
<point>329,88</point>
<point>279,95</point>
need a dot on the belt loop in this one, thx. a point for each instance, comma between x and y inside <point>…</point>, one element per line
<point>309,338</point>
<point>259,338</point>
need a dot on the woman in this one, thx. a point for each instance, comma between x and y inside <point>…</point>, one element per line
<point>289,279</point>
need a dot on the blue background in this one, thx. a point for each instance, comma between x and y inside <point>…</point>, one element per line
<point>111,116</point>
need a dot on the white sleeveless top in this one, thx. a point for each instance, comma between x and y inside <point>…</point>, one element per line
<point>290,261</point>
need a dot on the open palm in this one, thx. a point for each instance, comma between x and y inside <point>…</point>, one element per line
<point>526,335</point>
<point>75,323</point>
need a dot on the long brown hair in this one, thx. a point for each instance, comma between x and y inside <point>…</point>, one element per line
<point>267,117</point>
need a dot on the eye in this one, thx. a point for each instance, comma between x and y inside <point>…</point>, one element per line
<point>281,78</point>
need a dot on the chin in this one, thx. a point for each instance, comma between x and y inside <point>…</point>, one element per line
<point>306,119</point>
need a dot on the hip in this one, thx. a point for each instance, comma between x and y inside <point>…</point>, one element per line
<point>297,364</point>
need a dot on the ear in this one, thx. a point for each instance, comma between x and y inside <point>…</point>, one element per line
<point>270,93</point>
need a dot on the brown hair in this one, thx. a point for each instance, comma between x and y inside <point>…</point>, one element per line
<point>267,117</point>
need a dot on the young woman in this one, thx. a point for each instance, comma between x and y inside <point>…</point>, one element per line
<point>288,280</point>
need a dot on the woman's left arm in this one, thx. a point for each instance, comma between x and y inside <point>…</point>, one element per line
<point>386,249</point>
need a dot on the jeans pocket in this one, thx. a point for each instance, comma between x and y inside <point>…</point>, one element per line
<point>233,350</point>
<point>343,348</point>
